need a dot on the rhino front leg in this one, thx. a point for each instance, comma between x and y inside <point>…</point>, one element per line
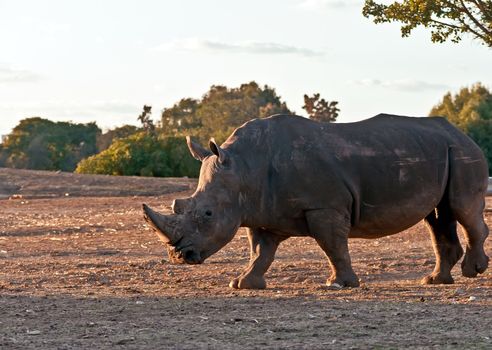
<point>330,228</point>
<point>263,245</point>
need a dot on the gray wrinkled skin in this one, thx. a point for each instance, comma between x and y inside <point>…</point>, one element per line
<point>288,176</point>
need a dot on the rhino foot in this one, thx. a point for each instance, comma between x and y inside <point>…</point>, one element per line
<point>248,282</point>
<point>339,283</point>
<point>437,278</point>
<point>474,263</point>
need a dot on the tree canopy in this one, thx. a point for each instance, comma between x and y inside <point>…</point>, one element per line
<point>469,105</point>
<point>38,143</point>
<point>470,110</point>
<point>447,20</point>
<point>105,139</point>
<point>221,110</point>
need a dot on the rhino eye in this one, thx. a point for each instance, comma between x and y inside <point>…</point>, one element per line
<point>208,213</point>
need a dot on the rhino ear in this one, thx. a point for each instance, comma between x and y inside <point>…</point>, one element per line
<point>219,152</point>
<point>197,151</point>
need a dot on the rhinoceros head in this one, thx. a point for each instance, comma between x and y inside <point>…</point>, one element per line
<point>203,223</point>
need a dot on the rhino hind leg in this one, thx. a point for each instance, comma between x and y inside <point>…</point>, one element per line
<point>475,231</point>
<point>330,228</point>
<point>263,245</point>
<point>446,244</point>
<point>467,187</point>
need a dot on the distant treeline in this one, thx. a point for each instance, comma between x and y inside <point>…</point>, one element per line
<point>160,149</point>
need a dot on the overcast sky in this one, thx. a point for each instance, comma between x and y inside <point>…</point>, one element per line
<point>102,60</point>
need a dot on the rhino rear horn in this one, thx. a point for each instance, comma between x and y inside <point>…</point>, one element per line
<point>164,225</point>
<point>196,150</point>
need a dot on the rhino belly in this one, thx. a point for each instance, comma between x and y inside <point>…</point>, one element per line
<point>399,198</point>
<point>384,221</point>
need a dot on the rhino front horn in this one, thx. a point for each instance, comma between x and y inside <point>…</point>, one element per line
<point>164,225</point>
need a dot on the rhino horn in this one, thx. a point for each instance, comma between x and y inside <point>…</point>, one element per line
<point>164,225</point>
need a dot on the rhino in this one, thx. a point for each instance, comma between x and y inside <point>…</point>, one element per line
<point>287,176</point>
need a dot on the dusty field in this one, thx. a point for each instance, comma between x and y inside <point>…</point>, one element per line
<point>79,269</point>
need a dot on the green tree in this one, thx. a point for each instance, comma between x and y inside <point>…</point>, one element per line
<point>319,109</point>
<point>466,106</point>
<point>470,110</point>
<point>182,116</point>
<point>105,140</point>
<point>37,143</point>
<point>447,20</point>
<point>481,132</point>
<point>221,110</point>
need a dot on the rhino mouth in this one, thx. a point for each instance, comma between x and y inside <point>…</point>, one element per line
<point>183,253</point>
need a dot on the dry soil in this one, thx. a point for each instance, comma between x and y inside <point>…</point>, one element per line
<point>80,269</point>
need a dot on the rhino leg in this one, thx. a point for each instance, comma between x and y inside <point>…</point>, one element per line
<point>263,245</point>
<point>446,244</point>
<point>467,189</point>
<point>476,231</point>
<point>330,228</point>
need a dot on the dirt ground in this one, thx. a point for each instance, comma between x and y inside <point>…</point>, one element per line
<point>80,269</point>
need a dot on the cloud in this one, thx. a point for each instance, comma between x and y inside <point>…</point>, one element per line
<point>407,85</point>
<point>249,47</point>
<point>13,75</point>
<point>328,4</point>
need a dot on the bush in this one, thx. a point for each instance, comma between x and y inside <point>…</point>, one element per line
<point>143,154</point>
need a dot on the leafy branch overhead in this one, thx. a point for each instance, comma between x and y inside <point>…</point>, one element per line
<point>448,20</point>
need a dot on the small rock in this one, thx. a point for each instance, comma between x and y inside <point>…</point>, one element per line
<point>34,332</point>
<point>334,286</point>
<point>472,298</point>
<point>139,302</point>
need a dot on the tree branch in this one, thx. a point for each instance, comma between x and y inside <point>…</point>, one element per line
<point>475,21</point>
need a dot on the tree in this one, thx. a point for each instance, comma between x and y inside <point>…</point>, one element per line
<point>481,132</point>
<point>144,117</point>
<point>466,106</point>
<point>448,20</point>
<point>471,111</point>
<point>37,143</point>
<point>320,109</point>
<point>105,140</point>
<point>181,116</point>
<point>221,110</point>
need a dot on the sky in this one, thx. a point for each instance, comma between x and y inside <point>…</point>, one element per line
<point>101,61</point>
